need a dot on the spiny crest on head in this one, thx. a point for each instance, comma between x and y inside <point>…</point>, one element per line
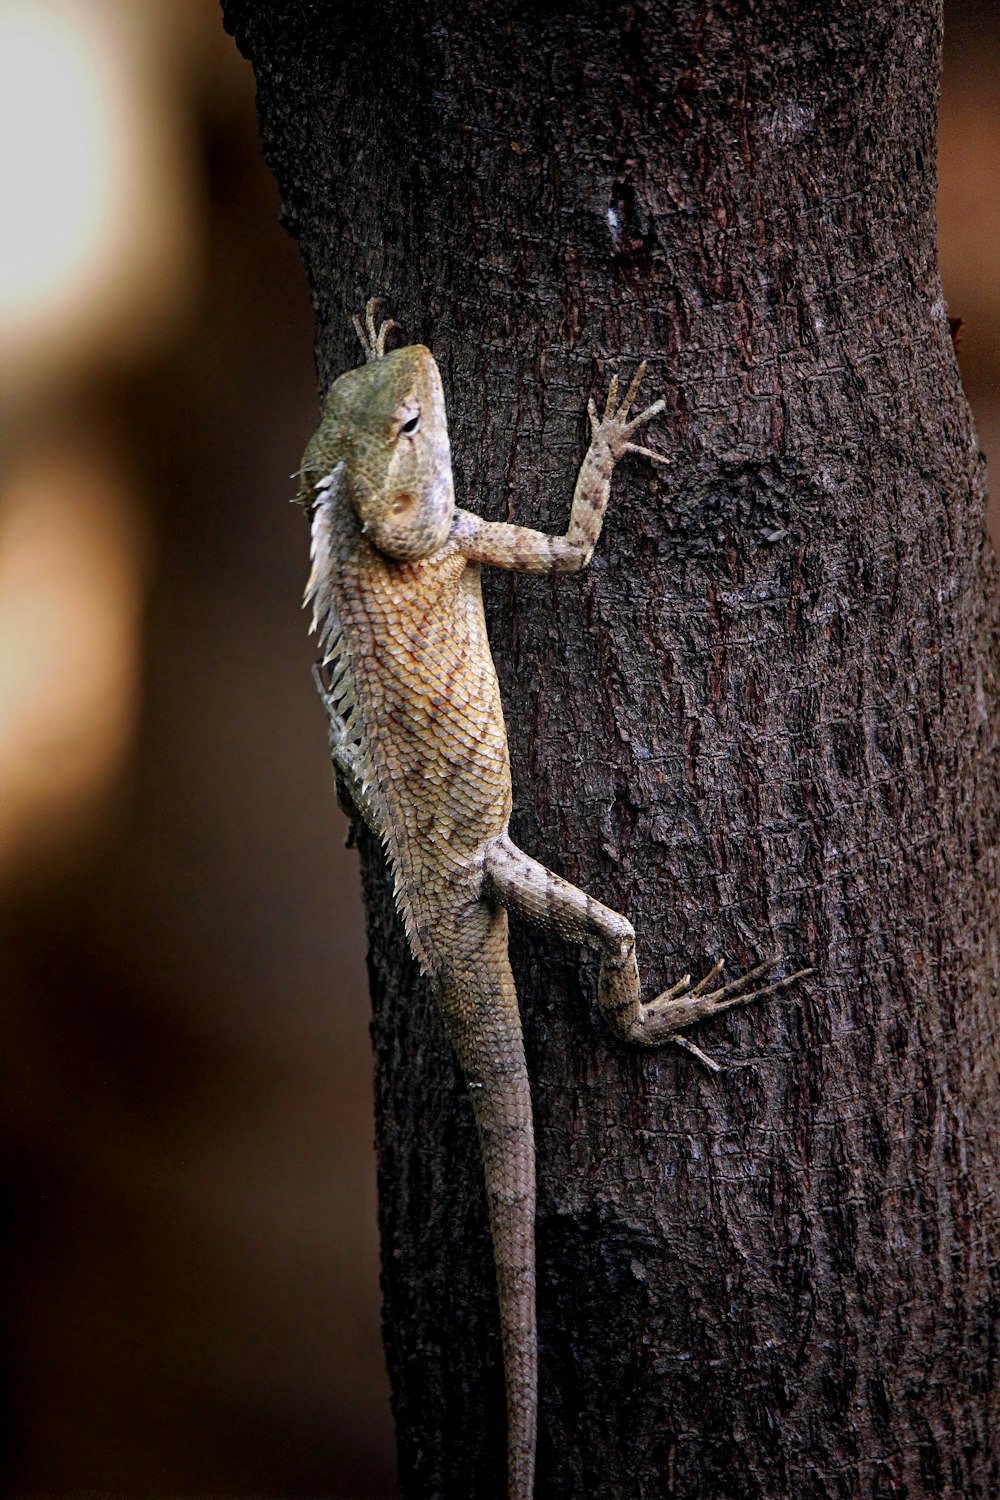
<point>320,544</point>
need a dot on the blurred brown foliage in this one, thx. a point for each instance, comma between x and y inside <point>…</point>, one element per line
<point>191,1250</point>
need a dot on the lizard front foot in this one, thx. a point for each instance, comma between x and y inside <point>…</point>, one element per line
<point>373,337</point>
<point>683,1004</point>
<point>615,428</point>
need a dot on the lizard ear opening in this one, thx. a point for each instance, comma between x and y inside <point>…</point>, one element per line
<point>403,522</point>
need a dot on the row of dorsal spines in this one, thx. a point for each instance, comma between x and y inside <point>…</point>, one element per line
<point>317,590</point>
<point>335,656</point>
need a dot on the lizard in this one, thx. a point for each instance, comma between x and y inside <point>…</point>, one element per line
<point>419,747</point>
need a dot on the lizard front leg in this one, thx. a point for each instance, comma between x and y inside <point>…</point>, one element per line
<point>520,883</point>
<point>528,551</point>
<point>352,790</point>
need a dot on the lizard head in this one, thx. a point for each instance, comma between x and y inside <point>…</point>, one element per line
<point>385,424</point>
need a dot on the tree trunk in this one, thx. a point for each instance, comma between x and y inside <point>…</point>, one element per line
<point>767,716</point>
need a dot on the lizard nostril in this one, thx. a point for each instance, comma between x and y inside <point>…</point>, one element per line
<point>402,503</point>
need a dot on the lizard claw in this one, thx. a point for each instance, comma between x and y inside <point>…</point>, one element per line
<point>658,458</point>
<point>633,389</point>
<point>644,416</point>
<point>373,337</point>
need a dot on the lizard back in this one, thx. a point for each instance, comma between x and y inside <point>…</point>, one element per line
<point>409,659</point>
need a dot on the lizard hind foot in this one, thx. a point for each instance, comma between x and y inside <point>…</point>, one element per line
<point>372,335</point>
<point>685,1004</point>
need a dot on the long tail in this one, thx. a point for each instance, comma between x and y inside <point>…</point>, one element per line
<point>479,1004</point>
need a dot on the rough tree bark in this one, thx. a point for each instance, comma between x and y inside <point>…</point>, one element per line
<point>768,714</point>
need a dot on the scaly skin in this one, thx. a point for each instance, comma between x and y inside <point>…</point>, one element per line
<point>418,741</point>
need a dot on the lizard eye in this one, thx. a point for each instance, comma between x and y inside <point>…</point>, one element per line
<point>410,424</point>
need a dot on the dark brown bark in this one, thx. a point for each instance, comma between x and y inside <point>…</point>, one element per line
<point>769,711</point>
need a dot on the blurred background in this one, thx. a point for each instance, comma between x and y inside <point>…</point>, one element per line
<point>190,1258</point>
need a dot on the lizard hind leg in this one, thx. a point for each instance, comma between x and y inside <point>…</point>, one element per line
<point>522,884</point>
